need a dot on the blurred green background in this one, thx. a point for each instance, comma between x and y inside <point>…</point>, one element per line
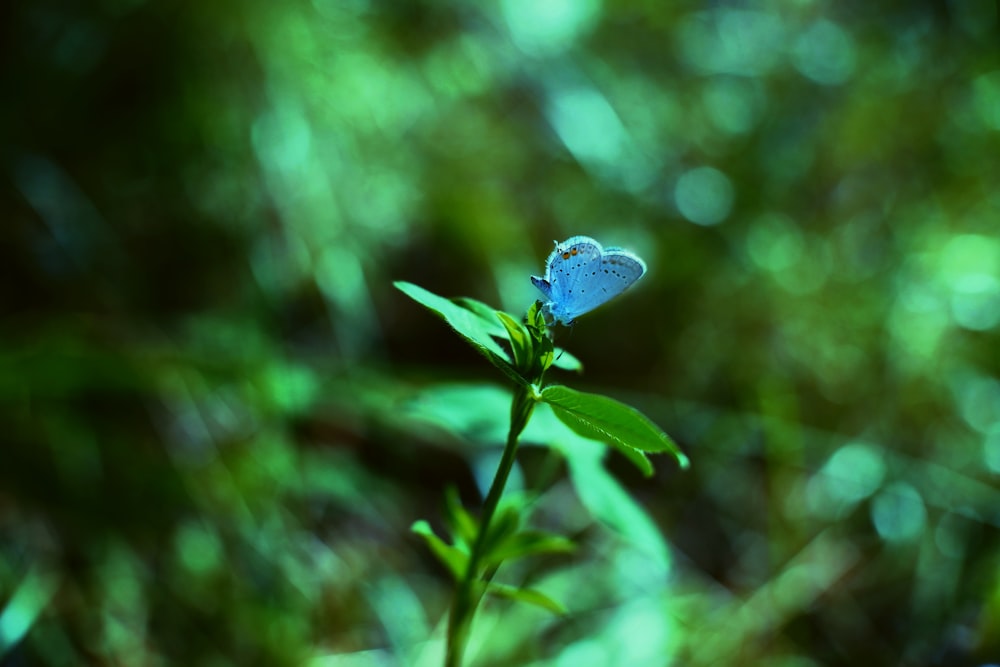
<point>220,419</point>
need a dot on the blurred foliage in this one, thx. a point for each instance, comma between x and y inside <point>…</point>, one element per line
<point>220,417</point>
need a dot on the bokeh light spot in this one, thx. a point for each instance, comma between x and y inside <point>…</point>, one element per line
<point>548,28</point>
<point>282,139</point>
<point>978,399</point>
<point>853,473</point>
<point>290,387</point>
<point>918,322</point>
<point>460,67</point>
<point>587,124</point>
<point>198,548</point>
<point>975,302</point>
<point>732,41</point>
<point>986,93</point>
<point>704,196</point>
<point>799,264</point>
<point>857,470</point>
<point>898,513</point>
<point>969,254</point>
<point>825,53</point>
<point>774,242</point>
<point>951,534</point>
<point>585,652</point>
<point>733,104</point>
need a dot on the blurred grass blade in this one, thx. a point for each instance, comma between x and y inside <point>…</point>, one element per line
<point>611,504</point>
<point>528,543</point>
<point>529,595</point>
<point>504,526</point>
<point>24,607</point>
<point>463,526</point>
<point>452,557</point>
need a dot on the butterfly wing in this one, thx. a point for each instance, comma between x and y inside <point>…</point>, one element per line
<point>616,271</point>
<point>569,270</point>
<point>543,286</point>
<point>580,276</point>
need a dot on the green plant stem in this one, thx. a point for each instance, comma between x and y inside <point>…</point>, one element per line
<point>467,598</point>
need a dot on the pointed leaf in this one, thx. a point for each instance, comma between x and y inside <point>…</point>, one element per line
<point>453,558</point>
<point>479,413</point>
<point>520,343</point>
<point>463,526</point>
<point>467,323</point>
<point>503,526</point>
<point>528,543</point>
<point>637,457</point>
<point>613,505</point>
<point>605,419</point>
<point>484,312</point>
<point>529,595</point>
<point>598,489</point>
<point>567,361</point>
<point>544,350</point>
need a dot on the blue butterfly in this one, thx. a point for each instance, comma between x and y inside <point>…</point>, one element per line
<point>580,275</point>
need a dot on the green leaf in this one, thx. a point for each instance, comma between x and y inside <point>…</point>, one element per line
<point>567,361</point>
<point>603,496</point>
<point>611,503</point>
<point>468,324</point>
<point>504,525</point>
<point>529,595</point>
<point>605,419</point>
<point>520,342</point>
<point>638,458</point>
<point>528,543</point>
<point>453,558</point>
<point>479,413</point>
<point>484,312</point>
<point>463,526</point>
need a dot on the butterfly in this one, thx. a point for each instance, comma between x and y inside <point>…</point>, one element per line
<point>580,275</point>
